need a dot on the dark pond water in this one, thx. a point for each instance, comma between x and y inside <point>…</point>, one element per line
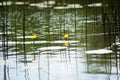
<point>87,56</point>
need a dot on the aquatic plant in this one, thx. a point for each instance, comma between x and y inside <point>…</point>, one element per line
<point>34,37</point>
<point>66,44</point>
<point>66,36</point>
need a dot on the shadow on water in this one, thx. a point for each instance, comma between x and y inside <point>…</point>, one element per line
<point>34,46</point>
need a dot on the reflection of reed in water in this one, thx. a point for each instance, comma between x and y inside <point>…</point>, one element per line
<point>104,63</point>
<point>34,37</point>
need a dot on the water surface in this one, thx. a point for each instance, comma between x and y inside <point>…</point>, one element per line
<point>87,57</point>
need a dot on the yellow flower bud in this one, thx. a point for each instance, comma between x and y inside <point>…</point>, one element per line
<point>34,37</point>
<point>66,44</point>
<point>66,36</point>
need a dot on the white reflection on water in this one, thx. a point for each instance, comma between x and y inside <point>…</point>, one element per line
<point>74,6</point>
<point>10,3</point>
<point>44,4</point>
<point>69,6</point>
<point>95,5</point>
<point>99,51</point>
<point>23,37</point>
<point>52,48</point>
<point>49,2</point>
<point>6,33</point>
<point>21,3</point>
<point>39,5</point>
<point>36,42</point>
<point>5,3</point>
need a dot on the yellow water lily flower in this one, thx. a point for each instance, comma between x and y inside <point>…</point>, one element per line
<point>66,36</point>
<point>66,44</point>
<point>34,37</point>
